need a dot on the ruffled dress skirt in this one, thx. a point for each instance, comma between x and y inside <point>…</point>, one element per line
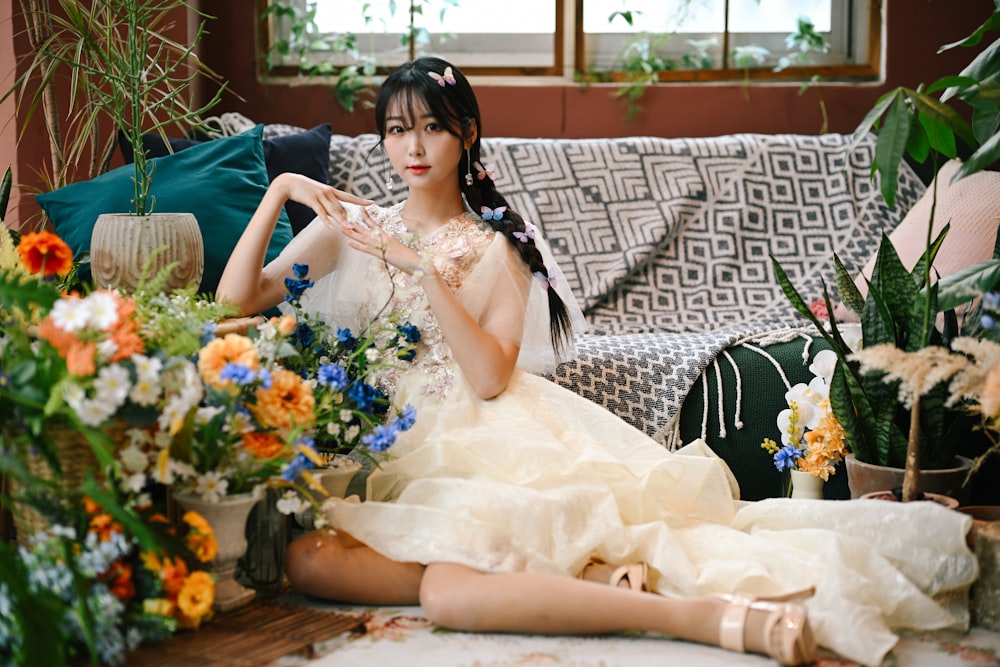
<point>540,479</point>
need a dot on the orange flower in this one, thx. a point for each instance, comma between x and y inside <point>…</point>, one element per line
<point>125,333</point>
<point>263,445</point>
<point>201,537</point>
<point>232,348</point>
<point>173,574</point>
<point>103,525</point>
<point>80,356</point>
<point>194,602</point>
<point>45,253</point>
<point>288,403</point>
<point>120,576</point>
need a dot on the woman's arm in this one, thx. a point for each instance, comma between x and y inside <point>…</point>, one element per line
<point>251,286</point>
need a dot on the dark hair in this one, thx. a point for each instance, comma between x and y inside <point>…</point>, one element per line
<point>455,107</point>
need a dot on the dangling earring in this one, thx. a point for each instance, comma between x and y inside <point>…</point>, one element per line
<point>468,168</point>
<point>388,181</point>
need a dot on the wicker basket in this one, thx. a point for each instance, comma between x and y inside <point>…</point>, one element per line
<point>76,458</point>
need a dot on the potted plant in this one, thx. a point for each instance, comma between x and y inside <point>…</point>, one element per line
<point>887,423</point>
<point>127,76</point>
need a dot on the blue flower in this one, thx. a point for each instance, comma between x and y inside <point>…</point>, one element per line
<point>410,332</point>
<point>296,288</point>
<point>988,321</point>
<point>991,300</point>
<point>406,353</point>
<point>786,457</point>
<point>300,270</point>
<point>238,373</point>
<point>304,336</point>
<point>363,395</point>
<point>382,438</point>
<point>346,339</point>
<point>333,376</point>
<point>407,418</point>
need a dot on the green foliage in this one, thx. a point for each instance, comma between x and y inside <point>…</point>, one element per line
<point>122,68</point>
<point>915,122</point>
<point>5,186</point>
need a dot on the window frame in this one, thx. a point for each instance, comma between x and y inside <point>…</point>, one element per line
<point>569,62</point>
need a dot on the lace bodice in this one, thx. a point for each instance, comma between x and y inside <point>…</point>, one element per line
<point>455,249</point>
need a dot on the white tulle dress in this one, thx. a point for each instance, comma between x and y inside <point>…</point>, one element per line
<point>540,479</point>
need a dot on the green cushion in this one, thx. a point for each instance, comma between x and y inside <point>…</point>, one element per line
<point>762,398</point>
<point>220,182</point>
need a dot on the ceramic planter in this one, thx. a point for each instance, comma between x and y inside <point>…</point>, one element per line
<point>122,243</point>
<point>864,478</point>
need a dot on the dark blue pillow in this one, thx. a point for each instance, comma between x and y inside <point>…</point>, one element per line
<point>306,153</point>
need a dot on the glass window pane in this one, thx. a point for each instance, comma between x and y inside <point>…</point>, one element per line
<point>470,16</point>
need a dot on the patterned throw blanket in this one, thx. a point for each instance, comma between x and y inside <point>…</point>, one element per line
<point>667,242</point>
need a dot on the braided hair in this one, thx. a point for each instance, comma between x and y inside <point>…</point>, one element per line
<point>456,108</point>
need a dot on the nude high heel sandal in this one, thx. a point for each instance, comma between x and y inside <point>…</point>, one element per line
<point>634,575</point>
<point>787,636</point>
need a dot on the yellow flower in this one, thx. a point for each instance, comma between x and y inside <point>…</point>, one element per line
<point>194,602</point>
<point>201,537</point>
<point>288,403</point>
<point>158,606</point>
<point>232,348</point>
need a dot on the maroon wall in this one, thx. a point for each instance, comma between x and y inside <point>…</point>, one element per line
<point>914,32</point>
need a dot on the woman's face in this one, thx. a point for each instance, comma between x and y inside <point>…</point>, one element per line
<point>421,149</point>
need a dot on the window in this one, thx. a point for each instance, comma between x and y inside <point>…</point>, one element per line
<point>669,40</point>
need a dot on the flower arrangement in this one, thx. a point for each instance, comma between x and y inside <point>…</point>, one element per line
<point>103,581</point>
<point>351,412</point>
<point>812,440</point>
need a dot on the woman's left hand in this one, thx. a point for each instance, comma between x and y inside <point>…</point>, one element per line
<point>364,235</point>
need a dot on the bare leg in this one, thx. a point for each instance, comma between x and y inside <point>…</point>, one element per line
<point>339,567</point>
<point>458,597</point>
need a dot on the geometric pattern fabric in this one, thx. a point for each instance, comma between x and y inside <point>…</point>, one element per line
<point>667,243</point>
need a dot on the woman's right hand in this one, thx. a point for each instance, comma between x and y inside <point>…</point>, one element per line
<point>324,199</point>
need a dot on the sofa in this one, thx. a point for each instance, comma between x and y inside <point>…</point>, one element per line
<point>667,244</point>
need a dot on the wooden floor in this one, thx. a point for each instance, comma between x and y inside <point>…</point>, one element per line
<point>253,635</point>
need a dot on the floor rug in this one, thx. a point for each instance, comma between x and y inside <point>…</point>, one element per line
<point>403,636</point>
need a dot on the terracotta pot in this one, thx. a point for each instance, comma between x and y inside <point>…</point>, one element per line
<point>982,515</point>
<point>947,501</point>
<point>865,478</point>
<point>986,589</point>
<point>121,244</point>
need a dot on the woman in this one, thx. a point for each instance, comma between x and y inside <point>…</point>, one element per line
<point>512,503</point>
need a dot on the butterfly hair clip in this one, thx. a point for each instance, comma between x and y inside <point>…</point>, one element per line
<point>547,281</point>
<point>483,172</point>
<point>493,213</point>
<point>528,233</point>
<point>447,78</point>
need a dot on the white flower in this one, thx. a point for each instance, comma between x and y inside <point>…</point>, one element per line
<point>333,428</point>
<point>103,309</point>
<point>346,416</point>
<point>372,354</point>
<point>145,391</point>
<point>852,335</point>
<point>823,365</point>
<point>808,399</point>
<point>147,367</point>
<point>112,385</point>
<point>134,483</point>
<point>211,486</point>
<point>291,503</point>
<point>133,459</point>
<point>70,313</point>
<point>788,432</point>
<point>94,412</point>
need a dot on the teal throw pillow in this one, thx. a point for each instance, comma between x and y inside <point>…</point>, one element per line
<point>221,182</point>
